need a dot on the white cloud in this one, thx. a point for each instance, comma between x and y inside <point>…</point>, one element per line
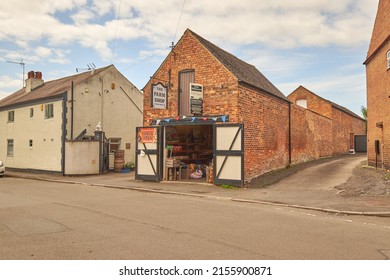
<point>268,30</point>
<point>43,52</point>
<point>82,17</point>
<point>7,84</point>
<point>102,7</point>
<point>277,23</point>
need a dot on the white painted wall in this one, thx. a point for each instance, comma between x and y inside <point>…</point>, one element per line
<point>98,99</point>
<point>114,108</point>
<point>82,158</point>
<point>45,154</point>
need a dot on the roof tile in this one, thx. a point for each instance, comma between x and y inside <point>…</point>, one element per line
<point>48,89</point>
<point>244,72</point>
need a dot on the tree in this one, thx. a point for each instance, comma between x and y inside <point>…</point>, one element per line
<point>363,110</point>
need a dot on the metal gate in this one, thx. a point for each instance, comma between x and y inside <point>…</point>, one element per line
<point>229,154</point>
<point>147,154</point>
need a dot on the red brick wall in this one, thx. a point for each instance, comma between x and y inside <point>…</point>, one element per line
<point>219,85</point>
<point>311,136</point>
<point>378,106</point>
<point>266,124</point>
<point>343,124</point>
<point>314,103</point>
<point>314,136</point>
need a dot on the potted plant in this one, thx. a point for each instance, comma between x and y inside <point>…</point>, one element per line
<point>129,166</point>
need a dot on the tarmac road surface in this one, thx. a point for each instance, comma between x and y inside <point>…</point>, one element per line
<point>47,220</point>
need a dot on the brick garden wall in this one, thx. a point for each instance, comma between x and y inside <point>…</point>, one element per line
<point>342,125</point>
<point>311,135</point>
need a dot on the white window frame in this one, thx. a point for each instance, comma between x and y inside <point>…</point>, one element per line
<point>388,60</point>
<point>49,111</point>
<point>10,147</point>
<point>302,102</point>
<point>11,116</point>
<point>114,141</point>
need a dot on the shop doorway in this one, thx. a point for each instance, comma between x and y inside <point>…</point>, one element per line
<point>188,152</point>
<point>212,153</point>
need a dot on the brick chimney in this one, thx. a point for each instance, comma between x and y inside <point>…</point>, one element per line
<point>34,79</point>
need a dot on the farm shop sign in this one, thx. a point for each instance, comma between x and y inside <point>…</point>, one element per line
<point>196,99</point>
<point>159,96</point>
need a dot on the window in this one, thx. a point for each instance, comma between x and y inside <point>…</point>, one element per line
<point>10,147</point>
<point>115,144</point>
<point>31,112</point>
<point>302,103</point>
<point>49,111</point>
<point>11,116</point>
<point>388,60</point>
<point>30,143</point>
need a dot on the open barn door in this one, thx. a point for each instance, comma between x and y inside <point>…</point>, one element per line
<point>229,154</point>
<point>147,154</point>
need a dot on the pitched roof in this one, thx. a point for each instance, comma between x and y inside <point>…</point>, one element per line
<point>381,31</point>
<point>337,106</point>
<point>49,89</point>
<point>244,72</point>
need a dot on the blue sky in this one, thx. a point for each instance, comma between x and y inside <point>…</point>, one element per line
<point>320,44</point>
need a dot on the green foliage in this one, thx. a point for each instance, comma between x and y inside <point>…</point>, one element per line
<point>130,165</point>
<point>363,110</point>
<point>224,186</point>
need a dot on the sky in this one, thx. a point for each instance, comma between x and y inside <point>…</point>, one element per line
<point>319,44</point>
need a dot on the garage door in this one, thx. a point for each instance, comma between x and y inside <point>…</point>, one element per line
<point>361,143</point>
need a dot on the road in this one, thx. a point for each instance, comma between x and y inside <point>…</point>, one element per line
<point>42,220</point>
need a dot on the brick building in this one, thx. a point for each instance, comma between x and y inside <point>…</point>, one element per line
<point>378,89</point>
<point>206,107</point>
<point>232,92</point>
<point>324,129</point>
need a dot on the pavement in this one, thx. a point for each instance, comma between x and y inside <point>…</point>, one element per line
<point>312,189</point>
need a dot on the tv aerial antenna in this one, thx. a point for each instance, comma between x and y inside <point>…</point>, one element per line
<point>22,64</point>
<point>90,66</point>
